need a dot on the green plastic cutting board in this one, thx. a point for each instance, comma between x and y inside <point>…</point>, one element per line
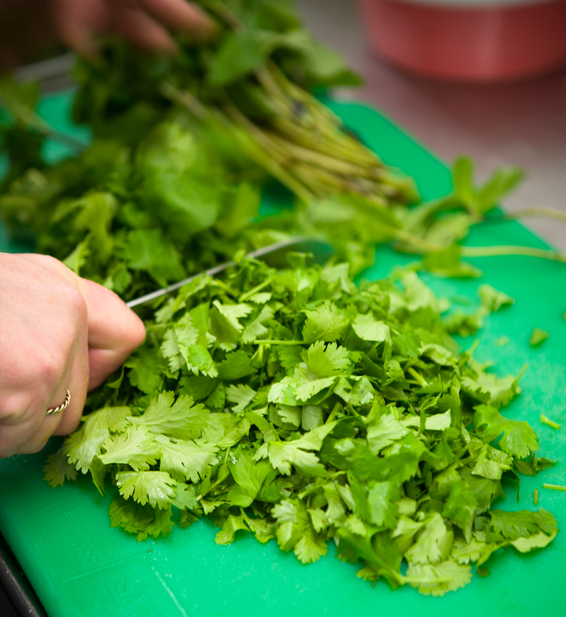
<point>80,567</point>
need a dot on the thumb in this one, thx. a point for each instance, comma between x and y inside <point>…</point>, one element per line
<point>114,331</point>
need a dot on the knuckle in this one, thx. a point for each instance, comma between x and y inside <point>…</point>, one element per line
<point>48,262</point>
<point>76,303</point>
<point>49,366</point>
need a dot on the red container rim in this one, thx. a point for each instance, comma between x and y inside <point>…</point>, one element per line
<point>465,43</point>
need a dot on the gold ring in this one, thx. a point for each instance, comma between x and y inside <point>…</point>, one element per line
<point>53,410</point>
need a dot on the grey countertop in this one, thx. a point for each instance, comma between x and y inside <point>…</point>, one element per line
<point>521,124</point>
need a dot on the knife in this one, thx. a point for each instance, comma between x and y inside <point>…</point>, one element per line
<point>274,255</point>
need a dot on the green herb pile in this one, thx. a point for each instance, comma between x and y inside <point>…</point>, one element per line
<point>299,406</point>
<point>289,403</point>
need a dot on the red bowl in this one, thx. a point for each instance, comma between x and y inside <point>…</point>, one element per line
<point>469,40</point>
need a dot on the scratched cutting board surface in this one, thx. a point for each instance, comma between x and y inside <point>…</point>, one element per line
<point>80,567</point>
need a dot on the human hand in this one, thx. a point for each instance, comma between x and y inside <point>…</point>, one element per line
<point>27,26</point>
<point>57,332</point>
<point>144,22</point>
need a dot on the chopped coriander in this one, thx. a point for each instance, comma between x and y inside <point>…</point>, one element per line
<point>538,336</point>
<point>329,411</point>
<point>492,299</point>
<point>535,497</point>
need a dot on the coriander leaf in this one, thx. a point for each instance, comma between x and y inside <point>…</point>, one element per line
<point>241,52</point>
<point>311,417</point>
<point>165,416</point>
<point>82,446</point>
<point>295,531</point>
<point>185,460</point>
<point>521,524</point>
<point>488,388</point>
<point>462,177</point>
<point>248,474</point>
<point>185,497</point>
<point>149,250</point>
<point>135,447</point>
<point>434,542</point>
<point>368,328</point>
<point>57,469</point>
<point>230,525</point>
<point>538,337</point>
<point>383,432</point>
<point>499,185</point>
<point>538,540</point>
<point>241,395</point>
<point>438,579</point>
<point>325,323</point>
<point>256,328</point>
<point>473,551</point>
<point>142,520</point>
<point>376,550</point>
<point>464,324</point>
<point>321,361</point>
<point>492,299</point>
<point>404,532</point>
<point>382,498</point>
<point>154,487</point>
<point>518,438</point>
<point>235,366</point>
<point>460,508</point>
<point>284,454</point>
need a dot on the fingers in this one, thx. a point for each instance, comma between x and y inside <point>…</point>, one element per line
<point>143,22</point>
<point>139,28</point>
<point>77,383</point>
<point>114,331</point>
<point>180,15</point>
<point>44,352</point>
<point>75,380</point>
<point>33,435</point>
<point>53,325</point>
<point>78,23</point>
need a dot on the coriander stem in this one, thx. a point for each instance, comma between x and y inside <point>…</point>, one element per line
<point>544,212</point>
<point>261,149</point>
<point>554,487</point>
<point>417,376</point>
<point>255,290</point>
<point>272,342</point>
<point>549,422</point>
<point>185,99</point>
<point>524,251</point>
<point>535,499</point>
<point>325,161</point>
<point>226,15</point>
<point>333,413</point>
<point>352,410</point>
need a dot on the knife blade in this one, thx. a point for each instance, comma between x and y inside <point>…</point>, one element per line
<point>273,254</point>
